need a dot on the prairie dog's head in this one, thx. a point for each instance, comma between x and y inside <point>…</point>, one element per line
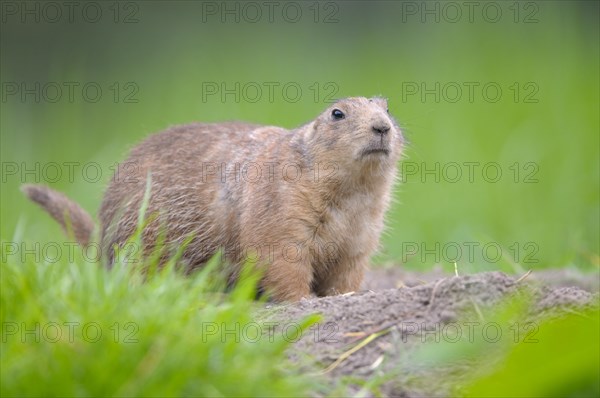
<point>358,133</point>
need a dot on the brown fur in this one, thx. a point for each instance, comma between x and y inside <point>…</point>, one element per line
<point>313,217</point>
<point>71,217</point>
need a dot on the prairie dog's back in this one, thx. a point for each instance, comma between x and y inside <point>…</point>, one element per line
<point>185,163</point>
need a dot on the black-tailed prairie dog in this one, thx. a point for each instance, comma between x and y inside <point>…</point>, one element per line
<point>307,204</point>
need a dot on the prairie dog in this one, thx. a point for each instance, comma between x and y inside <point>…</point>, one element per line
<point>307,204</point>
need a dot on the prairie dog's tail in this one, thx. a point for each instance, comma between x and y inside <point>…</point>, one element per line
<point>66,212</point>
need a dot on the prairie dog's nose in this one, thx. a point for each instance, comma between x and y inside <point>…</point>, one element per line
<point>381,127</point>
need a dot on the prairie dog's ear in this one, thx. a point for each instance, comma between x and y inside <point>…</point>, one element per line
<point>382,102</point>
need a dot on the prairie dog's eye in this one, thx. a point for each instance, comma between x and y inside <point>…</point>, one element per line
<point>337,114</point>
<point>387,110</point>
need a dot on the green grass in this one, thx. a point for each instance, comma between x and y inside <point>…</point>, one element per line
<point>536,366</point>
<point>78,329</point>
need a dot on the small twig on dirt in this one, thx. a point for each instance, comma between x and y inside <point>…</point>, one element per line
<point>355,334</point>
<point>351,351</point>
<point>477,310</point>
<point>572,311</point>
<point>377,362</point>
<point>359,335</point>
<point>433,291</point>
<point>523,277</point>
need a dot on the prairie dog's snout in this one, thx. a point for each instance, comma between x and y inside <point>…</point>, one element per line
<point>381,127</point>
<point>380,122</point>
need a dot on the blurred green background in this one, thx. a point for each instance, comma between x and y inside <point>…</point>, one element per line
<point>155,60</point>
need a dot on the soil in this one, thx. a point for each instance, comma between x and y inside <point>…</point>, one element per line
<point>410,309</point>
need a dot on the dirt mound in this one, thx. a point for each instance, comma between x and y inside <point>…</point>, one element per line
<point>395,277</point>
<point>398,321</point>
